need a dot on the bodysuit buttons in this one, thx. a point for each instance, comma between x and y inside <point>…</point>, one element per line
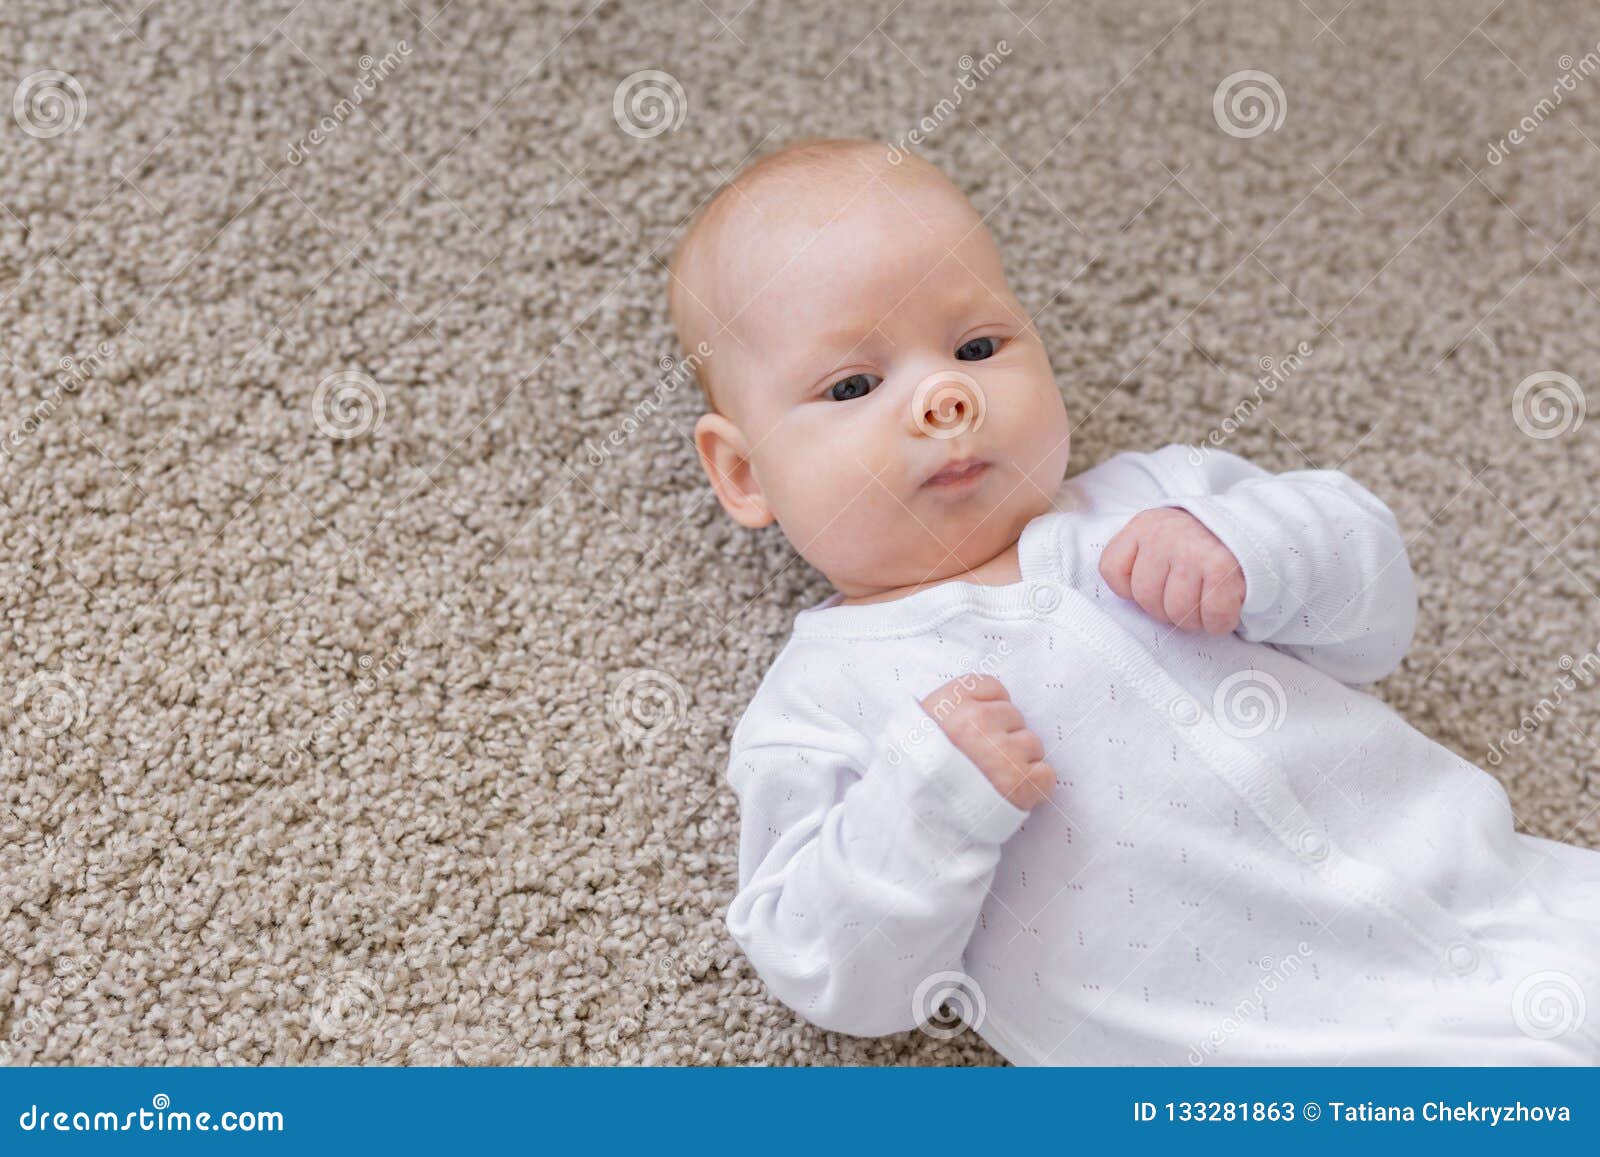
<point>1311,845</point>
<point>1461,957</point>
<point>1043,597</point>
<point>1185,710</point>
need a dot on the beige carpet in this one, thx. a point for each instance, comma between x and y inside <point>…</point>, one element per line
<point>369,642</point>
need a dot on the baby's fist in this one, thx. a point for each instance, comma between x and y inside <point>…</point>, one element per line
<point>1178,571</point>
<point>978,716</point>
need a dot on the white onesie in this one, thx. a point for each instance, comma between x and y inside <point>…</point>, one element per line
<point>1245,859</point>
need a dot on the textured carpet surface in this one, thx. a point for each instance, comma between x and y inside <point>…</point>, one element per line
<point>369,640</point>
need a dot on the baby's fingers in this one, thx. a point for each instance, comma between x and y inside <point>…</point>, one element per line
<point>1116,561</point>
<point>1029,785</point>
<point>1221,602</point>
<point>1026,747</point>
<point>1181,599</point>
<point>1150,571</point>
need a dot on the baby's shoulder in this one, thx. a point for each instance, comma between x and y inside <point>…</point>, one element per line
<point>798,699</point>
<point>1133,478</point>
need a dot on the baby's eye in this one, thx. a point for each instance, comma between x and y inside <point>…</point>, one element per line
<point>853,387</point>
<point>977,349</point>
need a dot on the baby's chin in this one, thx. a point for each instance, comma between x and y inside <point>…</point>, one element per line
<point>961,551</point>
<point>933,533</point>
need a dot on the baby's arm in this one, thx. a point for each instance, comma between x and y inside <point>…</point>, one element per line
<point>857,884</point>
<point>1326,574</point>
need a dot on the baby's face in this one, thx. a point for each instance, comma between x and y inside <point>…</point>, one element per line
<point>873,343</point>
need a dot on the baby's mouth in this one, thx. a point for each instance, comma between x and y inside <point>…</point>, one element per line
<point>962,472</point>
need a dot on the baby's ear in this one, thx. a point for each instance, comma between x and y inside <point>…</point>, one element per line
<point>726,458</point>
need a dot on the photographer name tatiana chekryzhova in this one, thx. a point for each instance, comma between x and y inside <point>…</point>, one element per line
<point>1444,1111</point>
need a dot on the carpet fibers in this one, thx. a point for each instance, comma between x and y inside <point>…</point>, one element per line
<point>369,640</point>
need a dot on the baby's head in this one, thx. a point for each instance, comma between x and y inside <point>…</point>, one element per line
<point>861,339</point>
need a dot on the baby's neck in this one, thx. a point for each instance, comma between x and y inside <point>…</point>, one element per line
<point>1004,569</point>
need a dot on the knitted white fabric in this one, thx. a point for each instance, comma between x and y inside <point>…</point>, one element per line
<point>1245,860</point>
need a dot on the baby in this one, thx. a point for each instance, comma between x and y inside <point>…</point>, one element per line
<point>1084,758</point>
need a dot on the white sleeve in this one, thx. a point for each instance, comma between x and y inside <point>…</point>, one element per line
<point>856,884</point>
<point>1327,578</point>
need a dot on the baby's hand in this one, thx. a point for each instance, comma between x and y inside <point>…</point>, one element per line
<point>977,714</point>
<point>1178,571</point>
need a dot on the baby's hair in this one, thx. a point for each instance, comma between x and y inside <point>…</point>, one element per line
<point>799,164</point>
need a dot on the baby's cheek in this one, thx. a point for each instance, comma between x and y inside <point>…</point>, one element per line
<point>849,534</point>
<point>1046,448</point>
<point>1025,397</point>
<point>823,496</point>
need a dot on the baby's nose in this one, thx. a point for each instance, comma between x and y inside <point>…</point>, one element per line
<point>947,404</point>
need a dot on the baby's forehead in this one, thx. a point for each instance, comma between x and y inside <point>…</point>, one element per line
<point>776,260</point>
<point>806,239</point>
